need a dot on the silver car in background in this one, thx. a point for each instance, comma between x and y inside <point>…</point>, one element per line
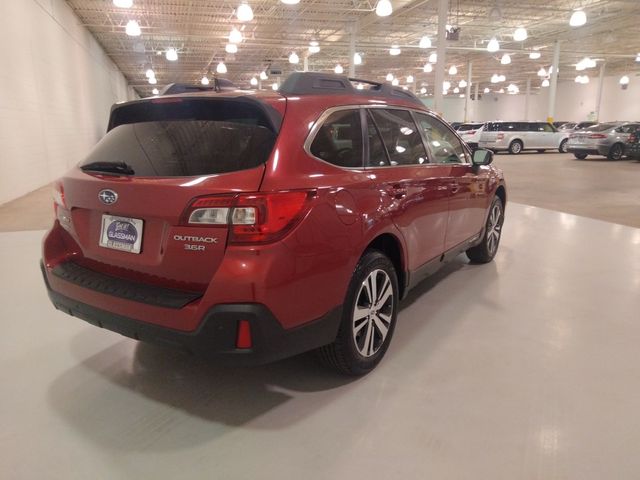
<point>606,139</point>
<point>516,137</point>
<point>471,133</point>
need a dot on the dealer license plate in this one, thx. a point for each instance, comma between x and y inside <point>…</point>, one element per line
<point>121,233</point>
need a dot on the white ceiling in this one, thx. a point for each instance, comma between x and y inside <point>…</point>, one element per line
<point>199,29</point>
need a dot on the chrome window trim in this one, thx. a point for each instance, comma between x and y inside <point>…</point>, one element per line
<point>311,136</point>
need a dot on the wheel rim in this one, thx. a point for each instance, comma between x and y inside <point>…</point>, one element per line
<point>494,228</point>
<point>372,313</point>
<point>516,148</point>
<point>616,152</point>
<point>563,147</point>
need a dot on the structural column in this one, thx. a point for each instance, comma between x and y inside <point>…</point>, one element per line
<point>526,99</point>
<point>305,62</point>
<point>553,87</point>
<point>467,95</point>
<point>352,50</point>
<point>443,8</point>
<point>600,86</point>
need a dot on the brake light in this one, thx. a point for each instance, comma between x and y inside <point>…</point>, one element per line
<point>252,218</point>
<point>57,193</point>
<point>597,135</point>
<point>501,136</point>
<point>243,338</point>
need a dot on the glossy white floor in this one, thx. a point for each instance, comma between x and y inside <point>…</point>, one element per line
<point>526,368</point>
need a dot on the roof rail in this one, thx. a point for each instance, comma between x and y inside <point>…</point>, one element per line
<point>218,85</point>
<point>309,83</point>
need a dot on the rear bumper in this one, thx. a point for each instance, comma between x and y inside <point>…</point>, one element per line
<point>216,335</point>
<point>588,149</point>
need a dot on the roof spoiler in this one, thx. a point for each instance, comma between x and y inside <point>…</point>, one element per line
<point>218,85</point>
<point>309,83</point>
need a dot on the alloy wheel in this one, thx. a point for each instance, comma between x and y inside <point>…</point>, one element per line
<point>494,228</point>
<point>372,313</point>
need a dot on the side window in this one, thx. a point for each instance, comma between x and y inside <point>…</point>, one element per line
<point>536,127</point>
<point>444,145</point>
<point>547,128</point>
<point>339,140</point>
<point>377,153</point>
<point>400,136</point>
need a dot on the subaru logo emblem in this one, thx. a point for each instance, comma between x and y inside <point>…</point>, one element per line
<point>108,197</point>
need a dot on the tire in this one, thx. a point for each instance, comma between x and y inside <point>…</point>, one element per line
<point>486,250</point>
<point>563,146</point>
<point>580,156</point>
<point>515,147</point>
<point>352,353</point>
<point>616,152</point>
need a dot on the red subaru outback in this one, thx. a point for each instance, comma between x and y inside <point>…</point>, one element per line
<point>252,226</point>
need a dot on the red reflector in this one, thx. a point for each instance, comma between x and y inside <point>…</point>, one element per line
<point>244,334</point>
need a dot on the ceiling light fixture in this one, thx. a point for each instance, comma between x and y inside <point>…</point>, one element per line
<point>244,13</point>
<point>433,58</point>
<point>221,68</point>
<point>149,73</point>
<point>263,75</point>
<point>155,91</point>
<point>253,81</point>
<point>293,58</point>
<point>423,90</point>
<point>638,57</point>
<point>395,82</point>
<point>462,83</point>
<point>360,86</point>
<point>493,45</point>
<point>389,77</point>
<point>453,70</point>
<point>357,59</point>
<point>235,36</point>
<point>339,70</point>
<point>542,72</point>
<point>204,80</point>
<point>486,90</point>
<point>274,86</point>
<point>314,47</point>
<point>133,28</point>
<point>394,50</point>
<point>410,79</point>
<point>520,34</point>
<point>290,2</point>
<point>535,55</point>
<point>123,3</point>
<point>152,80</point>
<point>624,80</point>
<point>384,8</point>
<point>427,68</point>
<point>425,42</point>
<point>446,85</point>
<point>578,18</point>
<point>502,78</point>
<point>506,59</point>
<point>456,90</point>
<point>231,48</point>
<point>171,55</point>
<point>545,83</point>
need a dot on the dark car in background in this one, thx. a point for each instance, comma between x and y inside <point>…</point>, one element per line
<point>632,147</point>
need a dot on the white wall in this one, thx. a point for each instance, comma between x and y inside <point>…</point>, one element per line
<point>573,102</point>
<point>56,88</point>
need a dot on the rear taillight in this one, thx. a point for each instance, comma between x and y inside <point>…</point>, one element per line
<point>251,218</point>
<point>597,135</point>
<point>57,193</point>
<point>501,136</point>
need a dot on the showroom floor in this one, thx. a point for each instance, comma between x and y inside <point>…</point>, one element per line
<point>520,369</point>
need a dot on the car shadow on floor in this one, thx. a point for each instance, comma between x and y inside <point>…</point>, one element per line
<point>132,396</point>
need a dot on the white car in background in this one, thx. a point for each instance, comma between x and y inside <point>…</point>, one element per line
<point>470,133</point>
<point>516,137</point>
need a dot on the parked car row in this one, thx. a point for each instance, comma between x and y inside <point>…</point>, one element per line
<point>613,140</point>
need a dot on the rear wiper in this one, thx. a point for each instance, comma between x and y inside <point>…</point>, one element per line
<point>120,168</point>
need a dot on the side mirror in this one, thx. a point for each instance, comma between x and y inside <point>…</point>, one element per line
<point>482,157</point>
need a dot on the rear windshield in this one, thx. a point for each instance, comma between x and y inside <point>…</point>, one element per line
<point>469,126</point>
<point>601,127</point>
<point>183,138</point>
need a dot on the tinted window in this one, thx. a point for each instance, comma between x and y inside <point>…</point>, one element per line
<point>540,127</point>
<point>377,153</point>
<point>507,127</point>
<point>339,140</point>
<point>183,139</point>
<point>400,136</point>
<point>469,126</point>
<point>444,145</point>
<point>627,128</point>
<point>601,127</point>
